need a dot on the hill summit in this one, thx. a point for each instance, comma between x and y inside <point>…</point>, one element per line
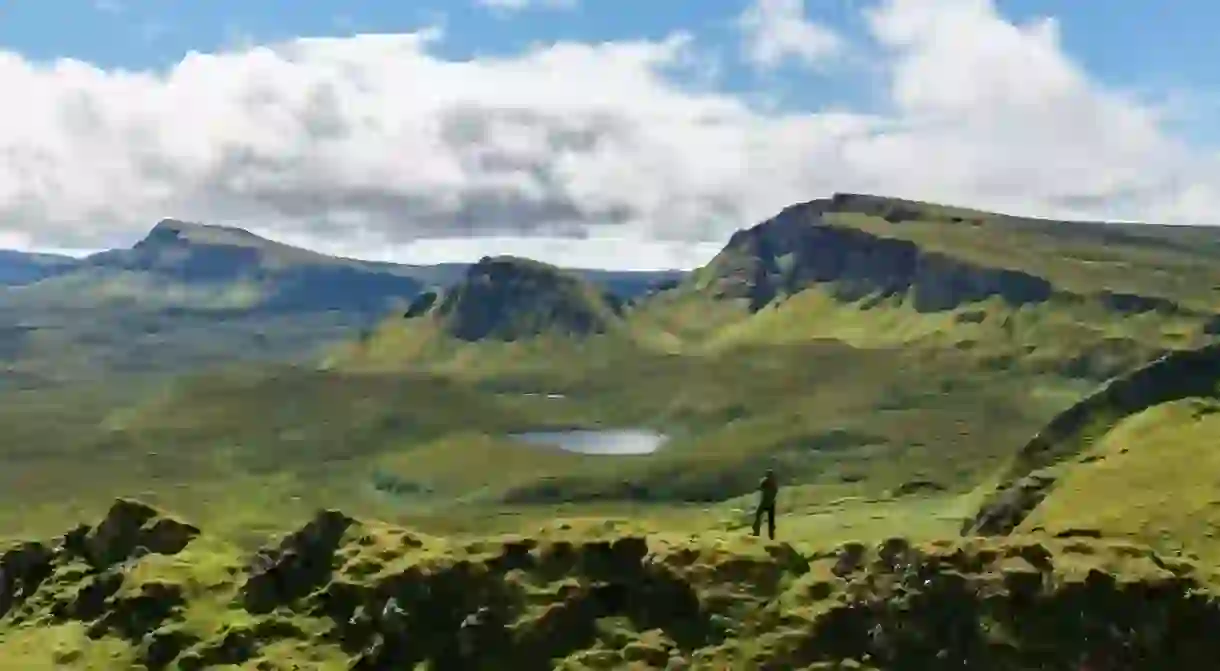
<point>805,244</point>
<point>208,252</point>
<point>283,277</point>
<point>509,298</point>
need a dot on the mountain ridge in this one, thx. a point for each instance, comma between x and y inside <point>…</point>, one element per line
<point>855,243</point>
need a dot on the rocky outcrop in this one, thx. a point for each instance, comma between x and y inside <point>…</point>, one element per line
<point>1174,376</point>
<point>506,298</point>
<point>301,563</point>
<point>797,249</point>
<point>1021,605</point>
<point>379,598</point>
<point>83,578</point>
<point>421,304</point>
<point>130,529</point>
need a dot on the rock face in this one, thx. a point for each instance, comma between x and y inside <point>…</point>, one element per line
<point>129,529</point>
<point>302,563</point>
<point>797,249</point>
<point>506,298</point>
<point>1031,478</point>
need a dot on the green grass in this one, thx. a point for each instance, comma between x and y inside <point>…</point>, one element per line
<point>1153,477</point>
<point>856,422</point>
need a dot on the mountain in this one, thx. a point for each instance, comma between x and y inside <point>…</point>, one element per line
<point>19,268</point>
<point>507,298</point>
<point>258,274</point>
<point>1084,299</point>
<point>940,258</point>
<point>801,248</point>
<point>505,313</point>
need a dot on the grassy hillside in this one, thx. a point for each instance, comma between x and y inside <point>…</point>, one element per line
<point>1134,459</point>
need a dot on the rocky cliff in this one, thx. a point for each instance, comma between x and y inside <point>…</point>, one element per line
<point>798,248</point>
<point>1032,477</point>
<point>507,298</point>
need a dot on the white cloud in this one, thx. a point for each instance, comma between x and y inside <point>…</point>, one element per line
<point>774,31</point>
<point>509,6</point>
<point>372,145</point>
<point>109,6</point>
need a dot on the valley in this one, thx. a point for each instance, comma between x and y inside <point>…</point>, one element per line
<point>984,426</point>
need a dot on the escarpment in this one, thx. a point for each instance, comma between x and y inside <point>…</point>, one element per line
<point>797,249</point>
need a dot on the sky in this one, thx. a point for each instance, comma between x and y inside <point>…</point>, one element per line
<point>596,133</point>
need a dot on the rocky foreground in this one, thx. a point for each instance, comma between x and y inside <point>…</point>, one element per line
<point>146,591</point>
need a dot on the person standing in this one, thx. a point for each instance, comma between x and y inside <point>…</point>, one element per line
<point>768,490</point>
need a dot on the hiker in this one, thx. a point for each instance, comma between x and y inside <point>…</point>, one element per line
<point>768,489</point>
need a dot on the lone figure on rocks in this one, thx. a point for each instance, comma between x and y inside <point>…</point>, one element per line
<point>768,489</point>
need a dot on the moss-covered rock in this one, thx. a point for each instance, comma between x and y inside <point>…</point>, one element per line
<point>368,596</point>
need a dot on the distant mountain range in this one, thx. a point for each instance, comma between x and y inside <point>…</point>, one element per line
<point>189,295</point>
<point>290,278</point>
<point>867,270</point>
<point>1085,299</point>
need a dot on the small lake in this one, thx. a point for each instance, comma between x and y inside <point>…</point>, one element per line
<point>614,442</point>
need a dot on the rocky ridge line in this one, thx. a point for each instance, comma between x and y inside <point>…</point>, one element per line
<point>386,598</point>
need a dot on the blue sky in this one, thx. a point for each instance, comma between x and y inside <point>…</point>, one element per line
<point>1131,43</point>
<point>1055,108</point>
<point>1143,45</point>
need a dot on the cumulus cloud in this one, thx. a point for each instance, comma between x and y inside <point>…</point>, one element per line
<point>775,31</point>
<point>375,143</point>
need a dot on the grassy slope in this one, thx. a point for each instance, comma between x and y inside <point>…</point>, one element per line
<point>1133,458</point>
<point>1153,477</point>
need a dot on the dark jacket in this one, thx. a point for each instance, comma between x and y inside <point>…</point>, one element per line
<point>769,489</point>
